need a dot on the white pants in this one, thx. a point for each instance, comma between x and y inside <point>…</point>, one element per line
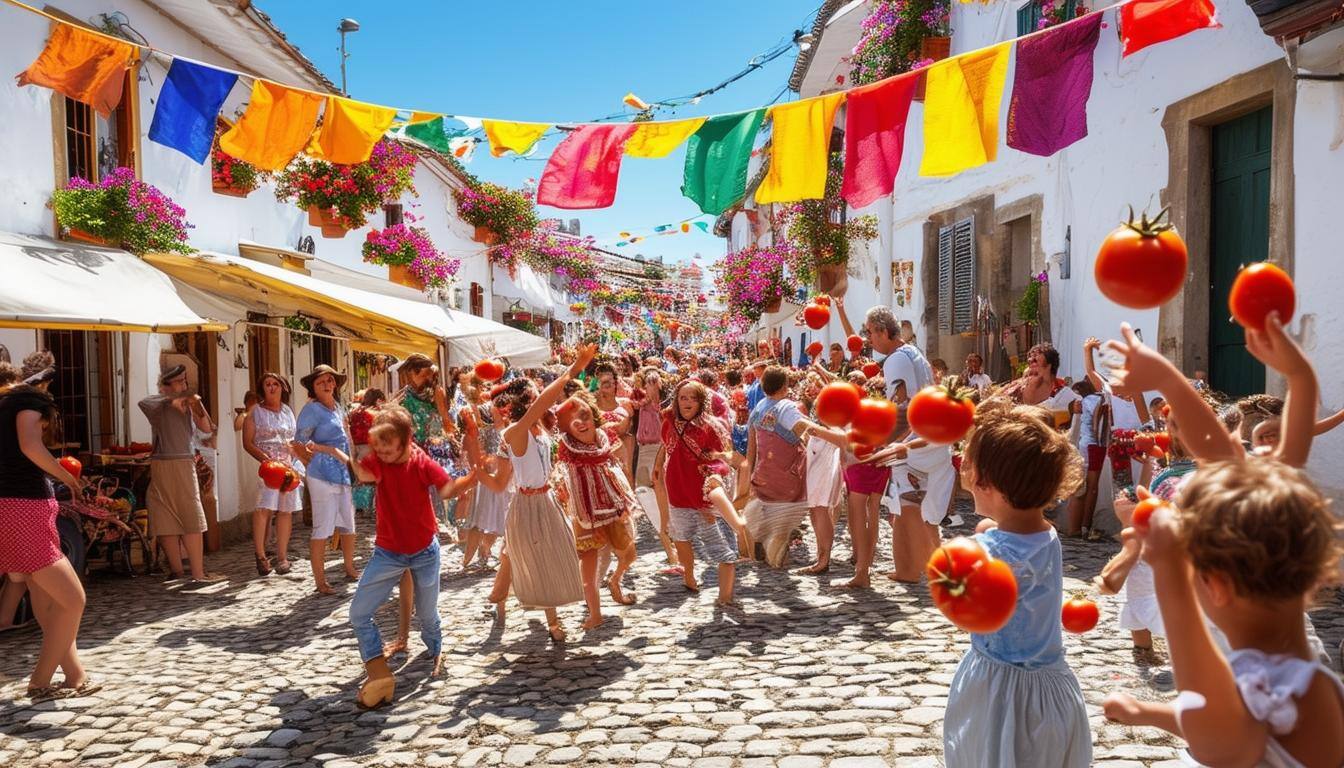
<point>928,470</point>
<point>333,508</point>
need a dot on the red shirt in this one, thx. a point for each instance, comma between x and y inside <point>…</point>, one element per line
<point>687,465</point>
<point>406,522</point>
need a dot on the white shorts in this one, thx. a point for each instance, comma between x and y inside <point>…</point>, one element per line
<point>333,508</point>
<point>927,471</point>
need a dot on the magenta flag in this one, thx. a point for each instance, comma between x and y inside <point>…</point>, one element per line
<point>1051,85</point>
<point>583,169</point>
<point>875,117</point>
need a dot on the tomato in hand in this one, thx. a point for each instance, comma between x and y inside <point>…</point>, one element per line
<point>1162,442</point>
<point>871,369</point>
<point>1143,442</point>
<point>72,465</point>
<point>277,475</point>
<point>816,316</point>
<point>490,370</point>
<point>1143,512</point>
<point>875,419</point>
<point>855,344</point>
<point>975,591</point>
<point>1079,614</point>
<point>1258,290</point>
<point>939,416</point>
<point>1141,264</point>
<point>814,349</point>
<point>836,403</point>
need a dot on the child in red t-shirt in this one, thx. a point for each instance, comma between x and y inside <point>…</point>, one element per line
<point>407,542</point>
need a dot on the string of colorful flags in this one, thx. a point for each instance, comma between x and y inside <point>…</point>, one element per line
<point>685,226</point>
<point>1053,77</point>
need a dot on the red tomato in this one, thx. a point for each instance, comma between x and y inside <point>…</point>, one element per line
<point>816,315</point>
<point>274,474</point>
<point>862,450</point>
<point>1141,264</point>
<point>836,403</point>
<point>871,369</point>
<point>1258,290</point>
<point>976,592</point>
<point>855,344</point>
<point>72,465</point>
<point>875,419</point>
<point>1162,442</point>
<point>822,299</point>
<point>490,370</point>
<point>1143,442</point>
<point>814,349</point>
<point>1143,512</point>
<point>939,417</point>
<point>1079,614</point>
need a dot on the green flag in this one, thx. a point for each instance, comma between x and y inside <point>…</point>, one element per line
<point>716,160</point>
<point>433,134</point>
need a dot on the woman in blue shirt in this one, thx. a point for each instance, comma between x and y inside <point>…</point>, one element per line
<point>323,445</point>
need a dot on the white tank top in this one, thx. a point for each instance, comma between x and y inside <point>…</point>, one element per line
<point>533,468</point>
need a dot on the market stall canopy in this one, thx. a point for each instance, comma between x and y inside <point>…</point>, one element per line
<point>376,323</point>
<point>469,337</point>
<point>527,285</point>
<point>72,286</point>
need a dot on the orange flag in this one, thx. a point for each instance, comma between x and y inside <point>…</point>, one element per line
<point>83,66</point>
<point>275,127</point>
<point>349,130</point>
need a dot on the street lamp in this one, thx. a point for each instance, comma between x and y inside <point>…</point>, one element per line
<point>347,25</point>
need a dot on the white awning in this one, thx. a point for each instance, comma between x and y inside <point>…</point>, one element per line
<point>63,285</point>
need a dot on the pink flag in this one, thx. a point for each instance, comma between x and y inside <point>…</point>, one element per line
<point>583,170</point>
<point>875,118</point>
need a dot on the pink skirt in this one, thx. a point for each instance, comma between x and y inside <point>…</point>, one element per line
<point>866,478</point>
<point>28,538</point>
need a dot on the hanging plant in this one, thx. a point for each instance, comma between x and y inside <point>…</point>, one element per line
<point>506,212</point>
<point>1028,306</point>
<point>351,191</point>
<point>302,326</point>
<point>812,227</point>
<point>1055,12</point>
<point>548,252</point>
<point>404,246</point>
<point>229,175</point>
<point>123,212</point>
<point>753,278</point>
<point>891,37</point>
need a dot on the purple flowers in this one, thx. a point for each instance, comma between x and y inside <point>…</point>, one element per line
<point>547,251</point>
<point>892,35</point>
<point>400,245</point>
<point>124,211</point>
<point>753,277</point>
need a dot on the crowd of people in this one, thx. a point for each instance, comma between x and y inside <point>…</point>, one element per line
<point>722,459</point>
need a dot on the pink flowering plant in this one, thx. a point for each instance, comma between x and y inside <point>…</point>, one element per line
<point>353,191</point>
<point>548,251</point>
<point>1055,12</point>
<point>890,37</point>
<point>410,247</point>
<point>814,229</point>
<point>509,213</point>
<point>753,277</point>
<point>124,211</point>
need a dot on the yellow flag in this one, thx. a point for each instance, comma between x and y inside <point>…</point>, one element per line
<point>275,127</point>
<point>659,139</point>
<point>518,137</point>
<point>800,148</point>
<point>349,130</point>
<point>961,111</point>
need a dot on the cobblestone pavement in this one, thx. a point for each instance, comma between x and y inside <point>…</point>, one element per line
<point>262,672</point>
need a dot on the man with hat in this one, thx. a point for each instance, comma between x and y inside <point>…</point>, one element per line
<point>174,499</point>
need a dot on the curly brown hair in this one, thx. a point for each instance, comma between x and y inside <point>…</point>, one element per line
<point>1263,525</point>
<point>1016,450</point>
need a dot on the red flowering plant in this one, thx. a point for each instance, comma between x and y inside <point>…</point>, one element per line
<point>410,247</point>
<point>124,211</point>
<point>754,277</point>
<point>353,191</point>
<point>228,172</point>
<point>509,213</point>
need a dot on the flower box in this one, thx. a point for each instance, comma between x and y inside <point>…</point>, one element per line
<point>931,49</point>
<point>327,220</point>
<point>401,275</point>
<point>121,211</point>
<point>230,191</point>
<point>485,235</point>
<point>832,279</point>
<point>773,305</point>
<point>79,235</point>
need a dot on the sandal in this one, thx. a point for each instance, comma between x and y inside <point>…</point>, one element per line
<point>557,633</point>
<point>282,567</point>
<point>49,693</point>
<point>86,688</point>
<point>263,567</point>
<point>614,587</point>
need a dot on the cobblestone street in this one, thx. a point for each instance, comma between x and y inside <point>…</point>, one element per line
<point>262,672</point>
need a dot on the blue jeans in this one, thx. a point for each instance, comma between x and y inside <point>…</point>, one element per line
<point>381,574</point>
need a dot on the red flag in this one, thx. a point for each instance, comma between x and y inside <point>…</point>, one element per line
<point>875,118</point>
<point>582,171</point>
<point>1149,22</point>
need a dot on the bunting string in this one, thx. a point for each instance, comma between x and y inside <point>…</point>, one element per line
<point>1047,112</point>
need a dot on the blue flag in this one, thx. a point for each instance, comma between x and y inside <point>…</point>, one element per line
<point>189,102</point>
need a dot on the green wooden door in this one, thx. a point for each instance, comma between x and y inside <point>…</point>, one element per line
<point>1239,229</point>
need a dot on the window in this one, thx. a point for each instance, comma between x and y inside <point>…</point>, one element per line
<point>477,300</point>
<point>82,387</point>
<point>391,214</point>
<point>324,351</point>
<point>956,277</point>
<point>94,145</point>
<point>1029,15</point>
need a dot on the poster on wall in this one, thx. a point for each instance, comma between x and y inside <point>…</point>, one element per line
<point>903,282</point>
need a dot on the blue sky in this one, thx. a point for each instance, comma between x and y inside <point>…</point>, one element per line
<point>542,60</point>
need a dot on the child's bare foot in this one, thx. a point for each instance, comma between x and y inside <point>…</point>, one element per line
<point>690,585</point>
<point>728,603</point>
<point>815,569</point>
<point>558,634</point>
<point>896,578</point>
<point>592,623</point>
<point>324,588</point>
<point>857,583</point>
<point>614,586</point>
<point>394,647</point>
<point>352,575</point>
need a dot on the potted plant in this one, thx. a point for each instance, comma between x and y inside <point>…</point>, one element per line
<point>498,213</point>
<point>1028,306</point>
<point>410,257</point>
<point>339,198</point>
<point>123,212</point>
<point>578,308</point>
<point>821,243</point>
<point>900,36</point>
<point>548,252</point>
<point>753,280</point>
<point>231,176</point>
<point>303,328</point>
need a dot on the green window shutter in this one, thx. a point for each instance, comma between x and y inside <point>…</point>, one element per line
<point>945,280</point>
<point>963,275</point>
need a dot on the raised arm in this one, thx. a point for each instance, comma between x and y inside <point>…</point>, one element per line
<point>1330,422</point>
<point>839,303</point>
<point>1276,349</point>
<point>516,434</point>
<point>1089,349</point>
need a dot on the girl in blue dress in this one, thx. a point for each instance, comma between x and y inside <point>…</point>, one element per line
<point>1014,700</point>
